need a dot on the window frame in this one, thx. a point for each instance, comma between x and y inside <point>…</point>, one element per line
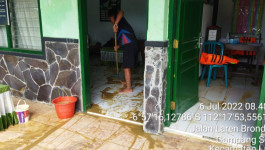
<point>9,50</point>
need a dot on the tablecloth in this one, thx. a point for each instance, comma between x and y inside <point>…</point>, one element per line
<point>7,111</point>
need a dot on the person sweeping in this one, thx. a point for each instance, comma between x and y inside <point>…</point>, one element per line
<point>128,42</point>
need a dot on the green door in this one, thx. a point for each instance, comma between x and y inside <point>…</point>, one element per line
<point>186,58</point>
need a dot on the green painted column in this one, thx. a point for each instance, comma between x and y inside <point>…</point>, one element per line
<point>60,18</point>
<point>260,111</point>
<point>158,20</point>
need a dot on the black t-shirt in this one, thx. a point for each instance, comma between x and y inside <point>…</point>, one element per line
<point>125,33</point>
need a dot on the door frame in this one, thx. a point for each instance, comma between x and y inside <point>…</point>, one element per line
<point>171,54</point>
<point>84,51</point>
<point>84,54</point>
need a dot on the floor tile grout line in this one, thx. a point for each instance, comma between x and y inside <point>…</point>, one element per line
<point>68,128</point>
<point>188,134</point>
<point>46,135</point>
<point>115,118</point>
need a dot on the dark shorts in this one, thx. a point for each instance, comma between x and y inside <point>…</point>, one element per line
<point>130,55</point>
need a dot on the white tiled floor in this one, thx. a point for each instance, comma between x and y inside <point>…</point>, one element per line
<point>105,97</point>
<point>240,90</point>
<point>106,100</point>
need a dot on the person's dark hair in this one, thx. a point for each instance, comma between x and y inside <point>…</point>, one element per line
<point>112,12</point>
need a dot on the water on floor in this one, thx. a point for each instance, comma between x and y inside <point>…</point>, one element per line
<point>45,131</point>
<point>222,125</point>
<point>105,95</point>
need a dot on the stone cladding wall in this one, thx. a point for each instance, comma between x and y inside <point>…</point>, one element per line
<point>156,59</point>
<point>44,80</point>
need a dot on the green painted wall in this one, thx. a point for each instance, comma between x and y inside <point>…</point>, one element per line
<point>59,18</point>
<point>158,20</point>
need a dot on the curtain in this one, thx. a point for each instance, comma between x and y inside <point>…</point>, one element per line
<point>247,16</point>
<point>3,38</point>
<point>25,27</point>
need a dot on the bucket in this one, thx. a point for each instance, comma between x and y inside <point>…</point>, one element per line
<point>22,112</point>
<point>65,106</point>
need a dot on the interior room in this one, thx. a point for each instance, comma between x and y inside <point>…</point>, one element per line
<point>241,90</point>
<point>105,81</point>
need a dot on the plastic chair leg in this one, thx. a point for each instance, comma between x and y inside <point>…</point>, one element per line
<point>214,73</point>
<point>226,82</point>
<point>203,72</point>
<point>209,76</point>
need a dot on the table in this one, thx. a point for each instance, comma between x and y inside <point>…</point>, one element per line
<point>8,115</point>
<point>247,47</point>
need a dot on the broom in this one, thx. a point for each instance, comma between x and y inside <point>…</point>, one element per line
<point>116,55</point>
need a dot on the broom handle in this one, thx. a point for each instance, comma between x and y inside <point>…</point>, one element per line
<point>116,54</point>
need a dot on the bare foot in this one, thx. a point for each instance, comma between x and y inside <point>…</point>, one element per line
<point>126,90</point>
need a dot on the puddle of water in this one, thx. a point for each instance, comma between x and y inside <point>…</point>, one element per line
<point>113,80</point>
<point>245,96</point>
<point>106,95</point>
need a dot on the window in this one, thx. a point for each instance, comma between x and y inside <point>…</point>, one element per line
<point>24,33</point>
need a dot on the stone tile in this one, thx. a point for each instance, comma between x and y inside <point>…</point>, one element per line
<point>109,145</point>
<point>23,66</point>
<point>23,135</point>
<point>14,82</point>
<point>30,83</point>
<point>2,63</point>
<point>86,132</point>
<point>64,65</point>
<point>18,73</point>
<point>36,63</point>
<point>198,144</point>
<point>139,143</point>
<point>59,48</point>
<point>66,79</point>
<point>44,93</point>
<point>50,56</point>
<point>30,95</point>
<point>38,76</point>
<point>37,148</point>
<point>73,57</point>
<point>63,139</point>
<point>124,138</point>
<point>93,128</point>
<point>54,69</point>
<point>11,62</point>
<point>2,73</point>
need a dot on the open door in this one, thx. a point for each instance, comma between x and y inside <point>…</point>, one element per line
<point>186,59</point>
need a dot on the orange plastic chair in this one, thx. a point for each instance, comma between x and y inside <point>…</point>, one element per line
<point>210,48</point>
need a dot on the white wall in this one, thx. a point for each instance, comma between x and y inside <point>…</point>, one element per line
<point>206,22</point>
<point>225,16</point>
<point>206,19</point>
<point>135,14</point>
